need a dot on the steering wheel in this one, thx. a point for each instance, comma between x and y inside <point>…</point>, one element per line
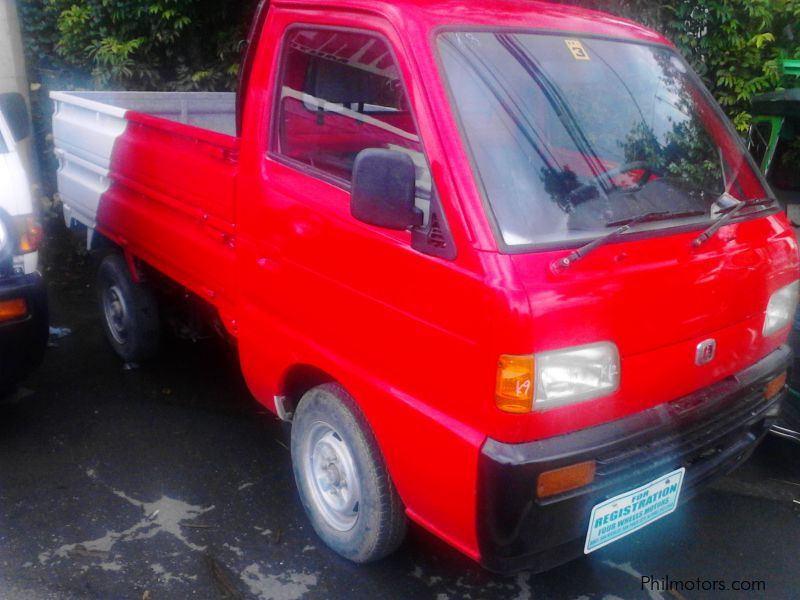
<point>608,175</point>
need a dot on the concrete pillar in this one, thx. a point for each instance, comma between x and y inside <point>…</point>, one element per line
<point>13,77</point>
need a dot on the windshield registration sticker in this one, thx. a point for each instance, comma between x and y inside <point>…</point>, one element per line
<point>577,49</point>
<point>622,515</point>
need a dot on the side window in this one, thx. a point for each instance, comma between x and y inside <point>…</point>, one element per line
<point>340,93</point>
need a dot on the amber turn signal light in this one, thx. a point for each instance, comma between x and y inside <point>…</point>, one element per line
<point>775,386</point>
<point>13,309</point>
<point>565,479</point>
<point>514,388</point>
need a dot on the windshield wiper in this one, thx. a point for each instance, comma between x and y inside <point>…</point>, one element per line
<point>623,227</point>
<point>727,215</point>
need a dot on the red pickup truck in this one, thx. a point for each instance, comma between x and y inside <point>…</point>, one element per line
<point>504,265</point>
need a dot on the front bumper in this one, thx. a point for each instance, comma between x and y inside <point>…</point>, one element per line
<point>23,341</point>
<point>788,425</point>
<point>709,432</point>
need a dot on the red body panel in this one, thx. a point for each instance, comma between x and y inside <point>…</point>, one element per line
<point>171,203</point>
<point>415,338</point>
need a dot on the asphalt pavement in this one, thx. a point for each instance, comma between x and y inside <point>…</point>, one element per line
<point>169,481</point>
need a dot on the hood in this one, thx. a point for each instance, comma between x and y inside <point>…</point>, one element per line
<point>659,291</point>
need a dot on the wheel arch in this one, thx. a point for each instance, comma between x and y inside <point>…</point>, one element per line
<point>299,379</point>
<point>442,455</point>
<point>102,245</point>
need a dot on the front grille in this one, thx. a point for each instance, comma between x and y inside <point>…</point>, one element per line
<point>684,444</point>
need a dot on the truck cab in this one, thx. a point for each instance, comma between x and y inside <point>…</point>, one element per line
<point>505,266</point>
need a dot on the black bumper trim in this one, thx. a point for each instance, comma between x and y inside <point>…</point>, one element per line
<point>23,341</point>
<point>788,425</point>
<point>709,432</point>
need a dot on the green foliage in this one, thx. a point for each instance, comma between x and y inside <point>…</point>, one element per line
<point>170,45</point>
<point>164,45</point>
<point>735,45</point>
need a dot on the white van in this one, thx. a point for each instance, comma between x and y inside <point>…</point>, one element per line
<point>23,299</point>
<point>15,188</point>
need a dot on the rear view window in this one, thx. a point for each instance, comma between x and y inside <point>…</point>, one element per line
<point>785,169</point>
<point>341,93</point>
<point>759,140</point>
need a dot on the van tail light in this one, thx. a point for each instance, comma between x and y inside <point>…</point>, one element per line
<point>515,382</point>
<point>30,233</point>
<point>562,480</point>
<point>13,309</point>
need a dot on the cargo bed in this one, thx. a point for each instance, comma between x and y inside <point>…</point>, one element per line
<point>147,169</point>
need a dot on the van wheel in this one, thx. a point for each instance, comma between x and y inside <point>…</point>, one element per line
<point>130,311</point>
<point>343,482</point>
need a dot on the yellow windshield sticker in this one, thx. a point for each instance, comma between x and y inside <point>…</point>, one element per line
<point>577,49</point>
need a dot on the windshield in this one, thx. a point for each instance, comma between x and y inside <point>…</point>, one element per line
<point>570,135</point>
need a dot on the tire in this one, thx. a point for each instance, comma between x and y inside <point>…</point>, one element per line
<point>360,516</point>
<point>130,311</point>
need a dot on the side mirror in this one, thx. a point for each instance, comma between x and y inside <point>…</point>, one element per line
<point>16,114</point>
<point>384,183</point>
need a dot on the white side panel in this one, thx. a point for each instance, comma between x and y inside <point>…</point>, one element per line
<point>86,125</point>
<point>84,134</point>
<point>215,111</point>
<point>80,183</point>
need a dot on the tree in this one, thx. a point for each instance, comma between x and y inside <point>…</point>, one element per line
<point>735,45</point>
<point>135,44</point>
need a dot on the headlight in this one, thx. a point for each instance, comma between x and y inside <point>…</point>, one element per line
<point>780,308</point>
<point>551,379</point>
<point>576,375</point>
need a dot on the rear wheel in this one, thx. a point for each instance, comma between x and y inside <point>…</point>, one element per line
<point>343,482</point>
<point>130,311</point>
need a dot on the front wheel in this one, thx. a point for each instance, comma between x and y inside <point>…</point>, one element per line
<point>343,482</point>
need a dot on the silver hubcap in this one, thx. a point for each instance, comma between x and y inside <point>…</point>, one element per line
<point>331,477</point>
<point>116,313</point>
